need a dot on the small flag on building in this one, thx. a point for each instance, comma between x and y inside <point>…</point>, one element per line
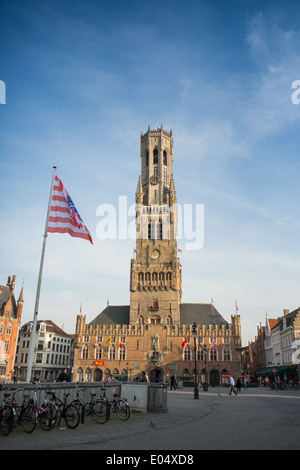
<point>213,343</point>
<point>179,251</point>
<point>120,345</point>
<point>236,307</point>
<point>183,343</point>
<point>109,340</point>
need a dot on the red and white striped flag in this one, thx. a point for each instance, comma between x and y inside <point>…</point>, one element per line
<point>63,216</point>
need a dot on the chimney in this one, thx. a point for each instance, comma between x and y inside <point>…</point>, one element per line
<point>13,282</point>
<point>286,311</point>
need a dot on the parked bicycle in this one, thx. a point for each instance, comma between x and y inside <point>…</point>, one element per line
<point>96,408</point>
<point>7,412</point>
<point>117,405</point>
<point>69,412</point>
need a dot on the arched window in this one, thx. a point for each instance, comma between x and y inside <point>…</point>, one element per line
<point>98,353</point>
<point>79,375</point>
<point>112,352</point>
<point>147,158</point>
<point>165,159</point>
<point>187,353</point>
<point>88,375</point>
<point>155,157</point>
<point>226,354</point>
<point>213,354</point>
<point>85,352</point>
<point>141,320</point>
<point>122,353</point>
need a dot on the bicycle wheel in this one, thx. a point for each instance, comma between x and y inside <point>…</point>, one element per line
<point>72,416</point>
<point>28,418</point>
<point>100,412</point>
<point>6,420</point>
<point>47,416</point>
<point>122,409</point>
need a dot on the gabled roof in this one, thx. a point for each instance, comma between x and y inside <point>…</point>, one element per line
<point>272,322</point>
<point>201,314</point>
<point>112,315</point>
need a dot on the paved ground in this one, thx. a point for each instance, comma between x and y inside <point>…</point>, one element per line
<point>256,419</point>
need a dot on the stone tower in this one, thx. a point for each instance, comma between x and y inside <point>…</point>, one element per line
<point>155,276</point>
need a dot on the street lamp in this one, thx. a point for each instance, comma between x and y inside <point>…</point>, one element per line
<point>196,391</point>
<point>205,385</point>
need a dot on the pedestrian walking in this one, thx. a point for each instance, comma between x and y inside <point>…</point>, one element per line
<point>232,389</point>
<point>173,382</point>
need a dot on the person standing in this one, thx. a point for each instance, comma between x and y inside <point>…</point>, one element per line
<point>238,385</point>
<point>232,389</point>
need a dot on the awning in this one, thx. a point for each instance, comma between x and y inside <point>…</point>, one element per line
<point>275,370</point>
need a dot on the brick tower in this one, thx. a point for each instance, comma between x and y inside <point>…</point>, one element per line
<point>155,275</point>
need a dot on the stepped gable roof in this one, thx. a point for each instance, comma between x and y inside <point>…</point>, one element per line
<point>5,295</point>
<point>201,314</point>
<point>112,315</point>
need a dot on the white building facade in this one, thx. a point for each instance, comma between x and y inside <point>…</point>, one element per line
<point>52,351</point>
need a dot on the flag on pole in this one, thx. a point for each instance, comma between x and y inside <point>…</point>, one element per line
<point>179,251</point>
<point>236,307</point>
<point>136,251</point>
<point>63,216</point>
<point>183,343</point>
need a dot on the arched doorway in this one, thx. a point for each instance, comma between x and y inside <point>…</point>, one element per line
<point>214,378</point>
<point>98,374</point>
<point>154,375</point>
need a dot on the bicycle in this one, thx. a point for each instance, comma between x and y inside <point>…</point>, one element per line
<point>96,408</point>
<point>69,412</point>
<point>7,413</point>
<point>117,405</point>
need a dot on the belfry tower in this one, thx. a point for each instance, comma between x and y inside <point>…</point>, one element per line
<point>155,276</point>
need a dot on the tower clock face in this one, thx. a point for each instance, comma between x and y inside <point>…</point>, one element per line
<point>154,254</point>
<point>154,179</point>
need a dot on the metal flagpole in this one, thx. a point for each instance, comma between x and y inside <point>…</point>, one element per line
<point>37,299</point>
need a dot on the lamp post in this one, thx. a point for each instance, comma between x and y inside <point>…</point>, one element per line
<point>196,391</point>
<point>205,385</point>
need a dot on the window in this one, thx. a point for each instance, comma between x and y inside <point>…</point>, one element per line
<point>8,329</point>
<point>187,354</point>
<point>213,354</point>
<point>165,159</point>
<point>155,320</point>
<point>122,353</point>
<point>226,354</point>
<point>85,352</point>
<point>39,358</point>
<point>155,157</point>
<point>112,352</point>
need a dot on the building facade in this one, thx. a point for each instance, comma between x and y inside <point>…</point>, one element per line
<point>282,347</point>
<point>10,320</point>
<point>155,332</point>
<point>52,351</point>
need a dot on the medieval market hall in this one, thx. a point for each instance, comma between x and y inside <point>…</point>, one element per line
<point>155,332</point>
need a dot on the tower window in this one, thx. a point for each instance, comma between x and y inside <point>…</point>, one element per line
<point>165,159</point>
<point>155,157</point>
<point>147,158</point>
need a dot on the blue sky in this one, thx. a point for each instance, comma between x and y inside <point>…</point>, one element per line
<point>83,79</point>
